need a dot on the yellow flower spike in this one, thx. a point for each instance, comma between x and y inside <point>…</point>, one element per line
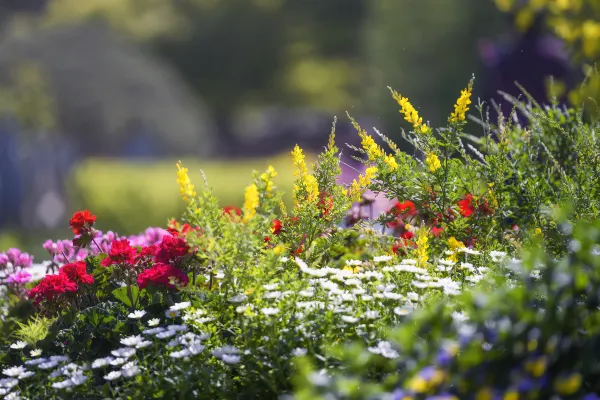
<point>454,245</point>
<point>355,190</point>
<point>186,188</point>
<point>267,178</point>
<point>308,181</point>
<point>251,201</point>
<point>371,148</point>
<point>391,162</point>
<point>484,394</point>
<point>462,105</point>
<point>410,114</point>
<point>422,246</point>
<point>433,162</point>
<point>299,162</point>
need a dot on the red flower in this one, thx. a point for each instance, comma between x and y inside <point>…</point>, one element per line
<point>436,230</point>
<point>232,210</point>
<point>402,211</point>
<point>162,275</point>
<point>146,253</point>
<point>299,250</point>
<point>81,221</point>
<point>52,286</point>
<point>466,205</point>
<point>401,246</point>
<point>325,203</point>
<point>276,226</point>
<point>76,272</point>
<point>407,235</point>
<point>176,229</point>
<point>121,252</point>
<point>170,249</point>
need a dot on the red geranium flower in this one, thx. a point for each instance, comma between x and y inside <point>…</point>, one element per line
<point>162,275</point>
<point>402,211</point>
<point>467,206</point>
<point>401,245</point>
<point>232,210</point>
<point>436,230</point>
<point>146,253</point>
<point>121,252</point>
<point>170,249</point>
<point>52,286</point>
<point>76,272</point>
<point>276,226</point>
<point>407,235</point>
<point>81,221</point>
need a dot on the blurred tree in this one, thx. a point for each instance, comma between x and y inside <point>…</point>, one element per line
<point>426,50</point>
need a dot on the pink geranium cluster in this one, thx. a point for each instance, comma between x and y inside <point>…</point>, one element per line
<point>13,265</point>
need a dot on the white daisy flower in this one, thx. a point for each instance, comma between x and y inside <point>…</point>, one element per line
<point>413,296</point>
<point>112,375</point>
<point>535,274</point>
<point>180,306</point>
<point>230,358</point>
<point>101,362</point>
<point>153,322</point>
<point>8,383</point>
<point>180,354</point>
<point>48,364</point>
<point>118,361</point>
<point>270,311</point>
<point>36,361</point>
<point>306,293</point>
<point>272,295</point>
<point>299,352</point>
<point>153,331</point>
<point>35,352</point>
<point>124,352</point>
<point>271,286</point>
<point>13,396</point>
<point>238,298</point>
<point>379,259</point>
<point>243,309</point>
<point>372,314</point>
<point>353,263</point>
<point>402,311</point>
<point>59,359</point>
<point>14,371</point>
<point>165,334</point>
<point>137,314</point>
<point>366,297</point>
<point>177,328</point>
<point>172,313</point>
<point>18,345</point>
<point>283,259</point>
<point>349,319</point>
<point>409,261</point>
<point>468,266</point>
<point>130,369</point>
<point>75,380</point>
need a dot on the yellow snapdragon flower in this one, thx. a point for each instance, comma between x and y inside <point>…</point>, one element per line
<point>410,114</point>
<point>391,162</point>
<point>306,180</point>
<point>186,188</point>
<point>433,162</point>
<point>371,148</point>
<point>422,246</point>
<point>454,245</point>
<point>462,105</point>
<point>251,201</point>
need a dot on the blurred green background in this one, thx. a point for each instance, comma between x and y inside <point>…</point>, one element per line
<point>126,88</point>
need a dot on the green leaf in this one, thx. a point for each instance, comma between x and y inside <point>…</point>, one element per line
<point>122,295</point>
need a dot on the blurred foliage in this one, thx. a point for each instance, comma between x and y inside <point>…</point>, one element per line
<point>128,196</point>
<point>426,50</point>
<point>28,98</point>
<point>258,51</point>
<point>577,22</point>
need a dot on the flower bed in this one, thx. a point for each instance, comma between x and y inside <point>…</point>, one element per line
<point>481,281</point>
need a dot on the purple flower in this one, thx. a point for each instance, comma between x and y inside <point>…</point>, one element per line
<point>3,260</point>
<point>20,277</point>
<point>590,396</point>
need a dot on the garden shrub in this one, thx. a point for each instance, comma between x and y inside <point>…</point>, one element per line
<point>267,299</point>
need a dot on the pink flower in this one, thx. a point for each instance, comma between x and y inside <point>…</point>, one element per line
<point>20,277</point>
